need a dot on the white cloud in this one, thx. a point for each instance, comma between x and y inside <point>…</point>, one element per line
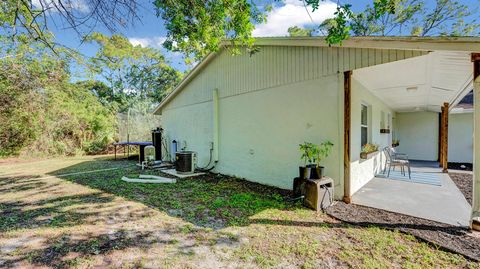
<point>51,5</point>
<point>153,42</point>
<point>293,13</point>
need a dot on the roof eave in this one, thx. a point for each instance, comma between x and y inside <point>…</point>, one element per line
<point>471,44</point>
<point>405,43</point>
<point>185,81</point>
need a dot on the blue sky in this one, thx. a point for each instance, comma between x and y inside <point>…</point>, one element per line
<point>150,30</point>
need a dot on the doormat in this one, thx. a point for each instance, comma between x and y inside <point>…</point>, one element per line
<point>422,178</point>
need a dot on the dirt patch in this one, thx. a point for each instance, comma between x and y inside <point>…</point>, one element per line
<point>464,182</point>
<point>448,237</point>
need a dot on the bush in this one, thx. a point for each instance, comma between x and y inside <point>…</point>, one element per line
<point>42,114</point>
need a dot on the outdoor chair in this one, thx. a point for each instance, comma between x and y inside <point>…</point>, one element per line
<point>394,159</point>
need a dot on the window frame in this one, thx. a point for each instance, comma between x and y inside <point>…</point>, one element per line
<point>367,125</point>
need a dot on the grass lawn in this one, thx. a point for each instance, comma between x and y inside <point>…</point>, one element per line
<point>54,216</point>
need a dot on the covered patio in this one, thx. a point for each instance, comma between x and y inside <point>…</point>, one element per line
<point>443,203</point>
<point>410,101</point>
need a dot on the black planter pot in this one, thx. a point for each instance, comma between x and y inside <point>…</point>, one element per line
<point>311,172</point>
<point>317,172</point>
<point>304,172</point>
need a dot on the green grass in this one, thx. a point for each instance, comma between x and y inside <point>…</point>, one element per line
<point>97,220</point>
<point>228,200</point>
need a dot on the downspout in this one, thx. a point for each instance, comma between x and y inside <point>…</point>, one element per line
<point>215,125</point>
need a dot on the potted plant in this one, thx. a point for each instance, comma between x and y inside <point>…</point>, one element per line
<point>320,152</point>
<point>367,150</point>
<point>312,155</point>
<point>395,143</point>
<point>306,150</point>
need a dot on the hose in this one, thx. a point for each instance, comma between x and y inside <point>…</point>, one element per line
<point>204,169</point>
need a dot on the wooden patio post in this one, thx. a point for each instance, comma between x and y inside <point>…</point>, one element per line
<point>476,142</point>
<point>446,108</point>
<point>347,85</point>
<point>440,140</point>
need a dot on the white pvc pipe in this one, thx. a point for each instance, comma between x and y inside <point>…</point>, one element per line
<point>145,180</point>
<point>215,125</point>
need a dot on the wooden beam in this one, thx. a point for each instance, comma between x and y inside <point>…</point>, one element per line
<point>476,57</point>
<point>445,137</point>
<point>476,65</point>
<point>347,85</point>
<point>440,140</point>
<point>476,142</point>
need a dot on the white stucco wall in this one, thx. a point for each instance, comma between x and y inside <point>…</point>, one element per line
<point>418,135</point>
<point>362,171</point>
<point>260,142</point>
<point>198,119</point>
<point>460,138</point>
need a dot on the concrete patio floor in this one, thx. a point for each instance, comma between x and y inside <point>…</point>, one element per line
<point>443,203</point>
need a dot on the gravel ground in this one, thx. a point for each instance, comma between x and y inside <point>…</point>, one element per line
<point>465,183</point>
<point>447,237</point>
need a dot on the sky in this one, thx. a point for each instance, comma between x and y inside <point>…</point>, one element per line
<point>150,30</point>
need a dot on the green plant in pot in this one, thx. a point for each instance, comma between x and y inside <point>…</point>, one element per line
<point>367,149</point>
<point>312,155</point>
<point>395,143</point>
<point>306,150</point>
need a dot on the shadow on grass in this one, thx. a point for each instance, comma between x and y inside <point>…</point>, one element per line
<point>211,200</point>
<point>51,212</point>
<point>19,183</point>
<point>390,226</point>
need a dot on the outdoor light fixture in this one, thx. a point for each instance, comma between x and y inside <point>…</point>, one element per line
<point>412,89</point>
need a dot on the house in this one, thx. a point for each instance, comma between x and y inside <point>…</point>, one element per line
<point>252,111</point>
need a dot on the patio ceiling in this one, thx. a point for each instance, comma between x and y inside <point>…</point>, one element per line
<point>422,83</point>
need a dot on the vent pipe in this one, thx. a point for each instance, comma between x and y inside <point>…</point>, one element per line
<point>215,125</point>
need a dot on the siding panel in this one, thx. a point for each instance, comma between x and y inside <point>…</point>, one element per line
<point>274,66</point>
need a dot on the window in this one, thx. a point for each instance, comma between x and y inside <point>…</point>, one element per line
<point>364,125</point>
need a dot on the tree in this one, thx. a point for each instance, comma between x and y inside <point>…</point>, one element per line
<point>195,27</point>
<point>198,27</point>
<point>414,17</point>
<point>297,31</point>
<point>133,73</point>
<point>42,113</point>
<point>30,18</point>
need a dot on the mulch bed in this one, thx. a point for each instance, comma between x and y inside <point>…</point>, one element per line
<point>461,166</point>
<point>464,182</point>
<point>447,237</point>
